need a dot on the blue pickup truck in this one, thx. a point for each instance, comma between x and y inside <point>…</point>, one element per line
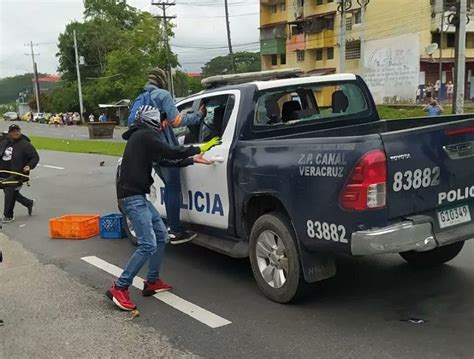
<point>307,169</point>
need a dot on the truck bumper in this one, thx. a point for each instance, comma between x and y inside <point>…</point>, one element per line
<point>410,235</point>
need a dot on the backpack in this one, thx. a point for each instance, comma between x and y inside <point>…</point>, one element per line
<point>144,98</point>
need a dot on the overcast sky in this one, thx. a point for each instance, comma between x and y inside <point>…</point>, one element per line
<point>200,30</point>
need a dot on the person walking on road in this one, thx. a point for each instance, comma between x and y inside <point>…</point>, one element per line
<point>17,155</point>
<point>163,101</point>
<point>144,148</point>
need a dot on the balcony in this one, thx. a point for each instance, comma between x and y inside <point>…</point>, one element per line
<point>321,39</point>
<point>272,46</point>
<point>295,42</point>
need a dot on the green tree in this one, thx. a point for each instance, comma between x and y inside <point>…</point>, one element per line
<point>221,65</point>
<point>10,87</point>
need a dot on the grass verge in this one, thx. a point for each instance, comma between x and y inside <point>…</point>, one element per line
<point>78,146</point>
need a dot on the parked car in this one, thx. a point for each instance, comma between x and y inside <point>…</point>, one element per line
<point>38,116</point>
<point>307,169</point>
<point>11,116</point>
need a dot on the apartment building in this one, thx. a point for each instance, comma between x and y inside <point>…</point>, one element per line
<point>306,34</point>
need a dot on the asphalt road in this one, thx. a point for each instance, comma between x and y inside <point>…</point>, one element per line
<point>360,313</point>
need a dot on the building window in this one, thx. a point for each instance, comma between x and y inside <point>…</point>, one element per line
<point>283,59</point>
<point>299,55</point>
<point>353,50</point>
<point>435,38</point>
<point>319,2</point>
<point>329,23</point>
<point>349,23</point>
<point>357,16</point>
<point>319,54</point>
<point>282,6</point>
<point>450,40</point>
<point>273,9</point>
<point>330,53</point>
<point>470,40</point>
<point>274,60</point>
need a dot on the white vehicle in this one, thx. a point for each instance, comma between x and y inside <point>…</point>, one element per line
<point>10,116</point>
<point>38,116</point>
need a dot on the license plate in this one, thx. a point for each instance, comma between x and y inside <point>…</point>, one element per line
<point>453,216</point>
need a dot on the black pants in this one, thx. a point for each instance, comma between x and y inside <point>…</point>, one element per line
<point>13,195</point>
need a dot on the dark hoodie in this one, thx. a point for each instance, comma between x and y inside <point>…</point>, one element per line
<point>16,154</point>
<point>143,149</point>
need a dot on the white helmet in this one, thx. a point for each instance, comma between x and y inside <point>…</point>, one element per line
<point>148,116</point>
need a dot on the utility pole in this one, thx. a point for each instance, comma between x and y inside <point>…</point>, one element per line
<point>343,6</point>
<point>441,33</point>
<point>363,4</point>
<point>35,73</point>
<point>79,87</point>
<point>460,56</point>
<point>163,5</point>
<point>231,53</point>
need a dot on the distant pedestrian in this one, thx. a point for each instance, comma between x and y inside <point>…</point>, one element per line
<point>433,108</point>
<point>429,91</point>
<point>103,117</point>
<point>91,117</point>
<point>17,155</point>
<point>76,118</point>
<point>449,90</point>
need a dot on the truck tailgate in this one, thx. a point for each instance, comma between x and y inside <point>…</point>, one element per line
<point>431,168</point>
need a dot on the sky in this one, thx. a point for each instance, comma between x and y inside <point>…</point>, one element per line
<point>200,32</point>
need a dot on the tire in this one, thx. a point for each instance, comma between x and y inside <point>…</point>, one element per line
<point>434,257</point>
<point>127,226</point>
<point>280,262</point>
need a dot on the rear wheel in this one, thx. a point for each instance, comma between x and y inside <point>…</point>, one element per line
<point>274,258</point>
<point>434,257</point>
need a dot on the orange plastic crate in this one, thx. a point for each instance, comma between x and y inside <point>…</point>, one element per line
<point>74,226</point>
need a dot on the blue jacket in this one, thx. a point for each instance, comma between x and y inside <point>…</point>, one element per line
<point>162,100</point>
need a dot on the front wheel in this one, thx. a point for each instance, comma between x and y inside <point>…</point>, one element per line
<point>274,258</point>
<point>434,257</point>
<point>128,226</point>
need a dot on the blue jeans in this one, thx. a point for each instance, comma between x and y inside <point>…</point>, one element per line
<point>152,236</point>
<point>170,176</point>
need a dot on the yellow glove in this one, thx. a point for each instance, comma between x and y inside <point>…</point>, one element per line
<point>209,144</point>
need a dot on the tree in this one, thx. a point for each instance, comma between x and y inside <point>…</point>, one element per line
<point>10,87</point>
<point>222,65</point>
<point>119,44</point>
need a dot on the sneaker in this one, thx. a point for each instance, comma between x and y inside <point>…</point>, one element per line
<point>30,207</point>
<point>8,219</point>
<point>156,287</point>
<point>121,298</point>
<point>183,237</point>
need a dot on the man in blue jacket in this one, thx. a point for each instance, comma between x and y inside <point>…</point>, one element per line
<point>172,118</point>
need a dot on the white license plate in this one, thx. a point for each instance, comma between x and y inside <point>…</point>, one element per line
<point>453,216</point>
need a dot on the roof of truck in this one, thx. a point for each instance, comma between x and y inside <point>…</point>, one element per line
<point>264,85</point>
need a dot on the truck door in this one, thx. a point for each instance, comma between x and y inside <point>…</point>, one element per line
<point>205,190</point>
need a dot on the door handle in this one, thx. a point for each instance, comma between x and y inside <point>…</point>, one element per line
<point>219,159</point>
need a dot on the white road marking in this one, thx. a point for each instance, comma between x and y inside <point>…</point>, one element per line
<point>53,167</point>
<point>204,316</point>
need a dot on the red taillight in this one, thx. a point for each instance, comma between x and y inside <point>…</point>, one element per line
<point>366,186</point>
<point>460,131</point>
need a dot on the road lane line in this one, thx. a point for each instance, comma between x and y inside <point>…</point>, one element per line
<point>204,316</point>
<point>53,167</point>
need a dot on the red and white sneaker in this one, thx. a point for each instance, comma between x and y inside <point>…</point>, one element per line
<point>156,287</point>
<point>121,298</point>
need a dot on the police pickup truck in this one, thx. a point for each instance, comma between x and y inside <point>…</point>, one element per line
<point>307,169</point>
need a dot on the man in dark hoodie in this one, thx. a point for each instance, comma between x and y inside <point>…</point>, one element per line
<point>142,150</point>
<point>163,101</point>
<point>18,155</point>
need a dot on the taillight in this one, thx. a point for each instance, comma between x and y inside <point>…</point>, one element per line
<point>367,183</point>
